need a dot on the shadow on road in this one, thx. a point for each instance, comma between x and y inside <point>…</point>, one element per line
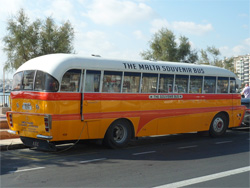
<point>167,148</point>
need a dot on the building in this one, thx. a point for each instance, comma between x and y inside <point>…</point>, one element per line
<point>242,68</point>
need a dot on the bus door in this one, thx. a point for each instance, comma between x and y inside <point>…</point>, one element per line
<point>90,102</point>
<point>82,94</point>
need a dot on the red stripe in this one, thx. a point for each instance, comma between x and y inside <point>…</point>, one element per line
<point>116,96</point>
<point>65,117</point>
<point>45,96</point>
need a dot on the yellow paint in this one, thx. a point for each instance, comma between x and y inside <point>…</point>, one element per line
<point>96,128</point>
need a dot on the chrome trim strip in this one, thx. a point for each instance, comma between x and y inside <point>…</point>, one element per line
<point>11,132</point>
<point>44,137</point>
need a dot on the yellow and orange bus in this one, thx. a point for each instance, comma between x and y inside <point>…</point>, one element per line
<point>63,97</point>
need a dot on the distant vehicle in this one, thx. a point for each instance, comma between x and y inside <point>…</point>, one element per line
<point>246,119</point>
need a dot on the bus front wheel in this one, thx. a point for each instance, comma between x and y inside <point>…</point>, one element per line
<point>118,134</point>
<point>218,126</point>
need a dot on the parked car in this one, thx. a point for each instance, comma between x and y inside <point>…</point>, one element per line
<point>246,119</point>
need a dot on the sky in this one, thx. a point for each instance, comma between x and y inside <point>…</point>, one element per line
<point>123,28</point>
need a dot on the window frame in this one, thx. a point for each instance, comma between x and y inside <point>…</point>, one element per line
<point>181,76</point>
<point>136,74</point>
<point>149,75</point>
<point>112,73</point>
<point>100,80</point>
<point>79,84</point>
<point>165,76</point>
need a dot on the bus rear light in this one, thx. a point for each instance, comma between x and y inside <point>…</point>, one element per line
<point>47,122</point>
<point>11,121</point>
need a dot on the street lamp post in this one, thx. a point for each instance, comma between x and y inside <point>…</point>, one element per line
<point>3,87</point>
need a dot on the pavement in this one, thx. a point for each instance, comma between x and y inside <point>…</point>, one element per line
<point>10,144</point>
<point>8,141</point>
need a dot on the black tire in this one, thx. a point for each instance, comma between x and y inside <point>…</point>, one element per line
<point>118,134</point>
<point>218,126</point>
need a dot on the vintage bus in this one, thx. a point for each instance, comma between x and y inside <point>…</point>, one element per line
<point>65,97</point>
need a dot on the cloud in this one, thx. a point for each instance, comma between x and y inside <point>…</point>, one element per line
<point>191,28</point>
<point>98,43</point>
<point>111,12</point>
<point>181,26</point>
<point>237,50</point>
<point>10,7</point>
<point>61,10</point>
<point>247,42</point>
<point>92,42</point>
<point>139,35</point>
<point>157,24</point>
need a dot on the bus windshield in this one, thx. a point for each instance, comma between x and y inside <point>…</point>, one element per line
<point>34,81</point>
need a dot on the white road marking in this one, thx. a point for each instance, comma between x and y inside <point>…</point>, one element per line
<point>206,178</point>
<point>224,142</point>
<point>142,153</point>
<point>25,170</point>
<point>186,147</point>
<point>93,160</point>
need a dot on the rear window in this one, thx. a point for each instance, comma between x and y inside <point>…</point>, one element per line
<point>17,81</point>
<point>28,79</point>
<point>34,80</point>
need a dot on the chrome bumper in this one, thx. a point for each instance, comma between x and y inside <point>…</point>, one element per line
<point>44,137</point>
<point>11,132</point>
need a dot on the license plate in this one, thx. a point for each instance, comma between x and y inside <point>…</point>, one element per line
<point>27,106</point>
<point>35,143</point>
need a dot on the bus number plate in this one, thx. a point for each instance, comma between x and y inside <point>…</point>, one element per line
<point>35,143</point>
<point>27,106</point>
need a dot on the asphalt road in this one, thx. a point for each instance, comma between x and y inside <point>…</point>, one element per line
<point>169,161</point>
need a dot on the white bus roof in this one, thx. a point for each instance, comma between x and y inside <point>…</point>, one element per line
<point>57,64</point>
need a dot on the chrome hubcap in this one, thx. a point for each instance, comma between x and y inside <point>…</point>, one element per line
<point>119,133</point>
<point>218,125</point>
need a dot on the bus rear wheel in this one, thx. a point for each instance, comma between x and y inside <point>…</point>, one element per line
<point>218,126</point>
<point>118,134</point>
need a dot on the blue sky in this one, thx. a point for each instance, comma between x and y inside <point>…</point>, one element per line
<point>123,28</point>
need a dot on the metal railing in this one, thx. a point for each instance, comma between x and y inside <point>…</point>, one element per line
<point>4,100</point>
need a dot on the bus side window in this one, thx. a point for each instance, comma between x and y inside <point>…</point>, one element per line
<point>149,83</point>
<point>195,84</point>
<point>71,81</point>
<point>222,85</point>
<point>181,84</point>
<point>112,82</point>
<point>209,84</point>
<point>131,82</point>
<point>166,83</point>
<point>92,81</point>
<point>232,85</point>
<point>45,82</point>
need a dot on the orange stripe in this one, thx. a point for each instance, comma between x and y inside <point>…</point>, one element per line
<point>145,116</point>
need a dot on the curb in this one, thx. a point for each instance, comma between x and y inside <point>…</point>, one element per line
<point>11,144</point>
<point>4,124</point>
<point>4,135</point>
<point>12,147</point>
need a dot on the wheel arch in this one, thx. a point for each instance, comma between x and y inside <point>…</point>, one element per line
<point>226,116</point>
<point>219,124</point>
<point>129,123</point>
